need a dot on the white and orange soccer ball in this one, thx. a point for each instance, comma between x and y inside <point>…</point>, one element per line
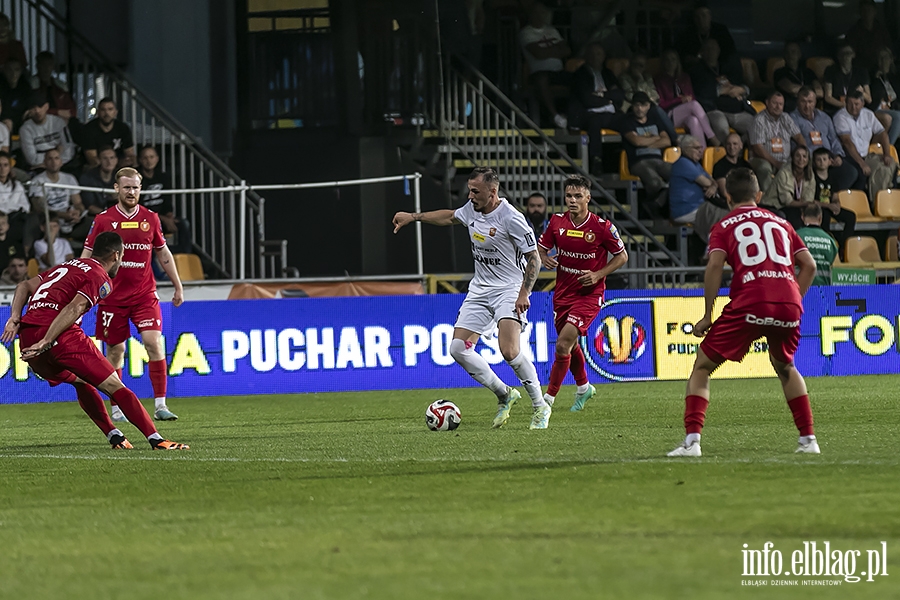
<point>442,415</point>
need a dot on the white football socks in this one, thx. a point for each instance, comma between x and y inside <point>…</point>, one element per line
<point>582,389</point>
<point>527,374</point>
<point>691,438</point>
<point>477,367</point>
<point>160,403</point>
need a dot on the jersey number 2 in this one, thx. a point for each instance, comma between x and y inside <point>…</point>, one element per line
<point>55,276</point>
<point>748,235</point>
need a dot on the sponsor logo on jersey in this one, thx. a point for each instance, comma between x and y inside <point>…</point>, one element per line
<point>130,225</point>
<point>589,237</point>
<point>105,289</point>
<point>478,237</point>
<point>146,323</point>
<point>562,230</point>
<point>574,233</point>
<point>115,224</point>
<point>137,246</point>
<point>145,226</point>
<point>131,264</point>
<point>493,231</point>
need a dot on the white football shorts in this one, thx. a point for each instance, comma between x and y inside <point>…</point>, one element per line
<point>481,311</point>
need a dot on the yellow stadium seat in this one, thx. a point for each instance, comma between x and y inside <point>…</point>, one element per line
<point>891,250</point>
<point>189,267</point>
<point>877,149</point>
<point>671,154</point>
<point>624,173</point>
<point>772,65</point>
<point>861,250</point>
<point>711,156</point>
<point>758,105</point>
<point>857,201</point>
<point>33,268</point>
<point>818,64</point>
<point>887,204</point>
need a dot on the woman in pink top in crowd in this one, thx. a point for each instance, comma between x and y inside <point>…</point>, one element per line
<point>676,97</point>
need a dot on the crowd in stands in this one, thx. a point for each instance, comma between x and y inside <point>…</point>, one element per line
<point>817,127</point>
<point>42,141</point>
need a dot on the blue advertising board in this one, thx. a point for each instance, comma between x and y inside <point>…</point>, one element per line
<point>250,347</point>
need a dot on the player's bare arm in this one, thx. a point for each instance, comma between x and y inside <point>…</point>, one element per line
<point>548,261</point>
<point>167,262</point>
<point>434,217</point>
<point>23,292</point>
<point>65,319</point>
<point>532,267</point>
<point>86,253</point>
<point>807,270</point>
<point>590,278</point>
<point>712,280</point>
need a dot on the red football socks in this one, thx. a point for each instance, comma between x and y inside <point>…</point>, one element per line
<point>158,377</point>
<point>134,411</point>
<point>802,412</point>
<point>111,401</point>
<point>91,402</point>
<point>557,374</point>
<point>694,413</point>
<point>577,366</point>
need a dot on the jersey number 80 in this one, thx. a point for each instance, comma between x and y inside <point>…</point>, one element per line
<point>755,245</point>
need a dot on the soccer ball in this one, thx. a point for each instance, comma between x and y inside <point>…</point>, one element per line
<point>442,415</point>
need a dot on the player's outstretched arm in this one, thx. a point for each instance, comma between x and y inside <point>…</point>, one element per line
<point>807,270</point>
<point>65,319</point>
<point>167,262</point>
<point>23,292</point>
<point>712,280</point>
<point>433,217</point>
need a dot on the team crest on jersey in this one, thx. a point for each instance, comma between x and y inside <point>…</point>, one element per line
<point>493,231</point>
<point>105,289</point>
<point>589,237</point>
<point>145,226</point>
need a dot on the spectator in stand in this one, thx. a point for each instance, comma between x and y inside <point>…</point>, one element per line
<point>14,94</point>
<point>545,50</point>
<point>635,79</point>
<point>102,176</point>
<point>857,128</point>
<point>818,132</point>
<point>108,130</point>
<point>63,203</point>
<point>689,184</point>
<point>10,47</point>
<point>821,245</point>
<point>13,201</point>
<point>536,213</point>
<point>61,248</point>
<point>15,272</point>
<point>43,131</point>
<point>720,89</point>
<point>10,243</point>
<point>5,136</point>
<point>733,159</point>
<point>595,102</point>
<point>826,196</point>
<point>795,75</point>
<point>644,137</point>
<point>868,36</point>
<point>701,29</point>
<point>770,140</point>
<point>57,93</point>
<point>794,188</point>
<point>676,97</point>
<point>153,180</point>
<point>884,86</point>
<point>843,77</point>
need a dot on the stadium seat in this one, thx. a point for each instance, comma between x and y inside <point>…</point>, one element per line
<point>877,149</point>
<point>887,204</point>
<point>189,267</point>
<point>33,268</point>
<point>652,66</point>
<point>624,173</point>
<point>772,65</point>
<point>891,252</point>
<point>751,73</point>
<point>711,156</point>
<point>861,250</point>
<point>818,64</point>
<point>857,201</point>
<point>617,65</point>
<point>671,154</point>
<point>758,105</point>
<point>573,64</point>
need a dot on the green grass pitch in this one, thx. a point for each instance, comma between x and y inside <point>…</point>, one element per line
<point>350,496</point>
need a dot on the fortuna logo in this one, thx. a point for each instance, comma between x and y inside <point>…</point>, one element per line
<point>814,559</point>
<point>130,225</point>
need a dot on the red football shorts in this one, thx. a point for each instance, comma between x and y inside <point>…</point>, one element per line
<point>113,321</point>
<point>74,355</point>
<point>580,313</point>
<point>735,330</point>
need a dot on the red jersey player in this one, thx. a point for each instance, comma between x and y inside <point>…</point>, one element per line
<point>583,242</point>
<point>762,250</point>
<point>134,298</point>
<point>57,349</point>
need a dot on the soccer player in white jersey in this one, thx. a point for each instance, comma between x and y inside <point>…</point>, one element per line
<point>506,268</point>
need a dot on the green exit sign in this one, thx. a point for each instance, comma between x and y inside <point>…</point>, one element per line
<point>847,276</point>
